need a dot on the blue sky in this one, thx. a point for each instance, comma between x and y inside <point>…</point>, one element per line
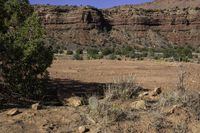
<point>96,3</point>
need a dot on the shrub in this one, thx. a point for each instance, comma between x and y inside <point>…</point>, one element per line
<point>60,51</point>
<point>131,54</point>
<point>93,53</point>
<point>103,112</point>
<point>126,50</point>
<point>24,54</point>
<point>79,51</point>
<point>198,61</point>
<point>69,52</point>
<point>112,57</point>
<point>77,57</point>
<point>107,51</point>
<point>179,54</point>
<point>118,51</point>
<point>123,88</point>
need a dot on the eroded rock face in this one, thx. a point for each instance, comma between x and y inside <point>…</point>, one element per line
<point>163,4</point>
<point>125,25</point>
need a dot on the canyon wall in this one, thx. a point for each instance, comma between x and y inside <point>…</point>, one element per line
<point>123,25</point>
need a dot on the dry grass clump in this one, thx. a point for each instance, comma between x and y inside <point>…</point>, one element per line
<point>193,104</point>
<point>106,111</point>
<point>182,96</point>
<point>161,124</point>
<point>109,111</point>
<point>123,88</point>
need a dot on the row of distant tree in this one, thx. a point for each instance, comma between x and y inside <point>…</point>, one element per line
<point>176,53</point>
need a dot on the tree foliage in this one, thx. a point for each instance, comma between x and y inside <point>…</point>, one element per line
<point>24,57</point>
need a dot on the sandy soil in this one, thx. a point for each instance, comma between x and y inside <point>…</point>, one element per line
<point>149,74</point>
<point>148,117</point>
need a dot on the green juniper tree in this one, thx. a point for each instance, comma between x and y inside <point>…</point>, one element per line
<point>24,57</point>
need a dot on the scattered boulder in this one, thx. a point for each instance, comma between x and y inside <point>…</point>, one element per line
<point>83,129</point>
<point>74,101</point>
<point>156,91</point>
<point>36,106</point>
<point>143,94</point>
<point>152,95</point>
<point>13,112</point>
<point>151,98</point>
<point>141,104</point>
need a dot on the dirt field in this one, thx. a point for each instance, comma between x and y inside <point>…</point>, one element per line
<point>149,74</point>
<point>153,112</point>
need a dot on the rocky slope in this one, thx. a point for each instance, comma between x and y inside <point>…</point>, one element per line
<point>125,25</point>
<point>163,4</point>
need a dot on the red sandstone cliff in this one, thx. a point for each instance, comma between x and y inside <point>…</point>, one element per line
<point>125,25</point>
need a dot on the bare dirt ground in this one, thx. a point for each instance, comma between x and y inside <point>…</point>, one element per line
<point>146,113</point>
<point>149,74</point>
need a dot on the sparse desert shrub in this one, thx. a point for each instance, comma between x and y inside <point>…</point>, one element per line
<point>93,53</point>
<point>118,51</point>
<point>126,50</point>
<point>69,52</point>
<point>144,54</point>
<point>104,112</point>
<point>79,51</point>
<point>123,88</point>
<point>177,96</point>
<point>161,124</point>
<point>182,96</point>
<point>112,57</point>
<point>100,56</point>
<point>107,51</point>
<point>194,103</point>
<point>77,56</point>
<point>180,128</point>
<point>198,62</point>
<point>60,51</point>
<point>179,54</point>
<point>131,54</point>
<point>173,97</point>
<point>151,53</point>
<point>195,56</point>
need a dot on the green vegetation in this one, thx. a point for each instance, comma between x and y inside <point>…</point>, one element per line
<point>24,55</point>
<point>179,54</point>
<point>79,51</point>
<point>69,52</point>
<point>114,52</point>
<point>112,56</point>
<point>93,53</point>
<point>77,56</point>
<point>107,51</point>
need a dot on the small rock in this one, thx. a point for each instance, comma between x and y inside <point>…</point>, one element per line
<point>143,94</point>
<point>138,105</point>
<point>156,92</point>
<point>74,101</point>
<point>13,112</point>
<point>83,129</point>
<point>152,98</point>
<point>36,106</point>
